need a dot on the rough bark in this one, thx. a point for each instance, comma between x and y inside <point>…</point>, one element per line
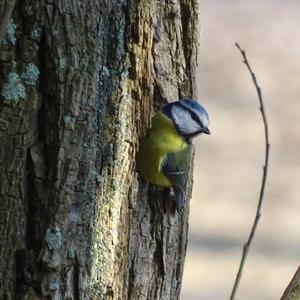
<point>79,81</point>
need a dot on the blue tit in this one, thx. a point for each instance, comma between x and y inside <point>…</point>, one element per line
<point>165,152</point>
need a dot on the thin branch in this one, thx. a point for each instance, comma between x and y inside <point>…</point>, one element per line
<point>264,178</point>
<point>5,15</point>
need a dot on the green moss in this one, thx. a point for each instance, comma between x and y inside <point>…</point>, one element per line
<point>62,63</point>
<point>71,253</point>
<point>98,178</point>
<point>67,119</point>
<point>53,238</point>
<point>36,33</point>
<point>53,284</point>
<point>13,89</point>
<point>31,74</point>
<point>11,31</point>
<point>105,72</point>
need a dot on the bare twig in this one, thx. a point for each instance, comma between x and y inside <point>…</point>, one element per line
<point>264,178</point>
<point>293,289</point>
<point>5,15</point>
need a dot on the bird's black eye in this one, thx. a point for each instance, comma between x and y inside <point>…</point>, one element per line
<point>195,117</point>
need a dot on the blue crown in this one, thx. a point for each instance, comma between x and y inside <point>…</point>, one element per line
<point>186,103</point>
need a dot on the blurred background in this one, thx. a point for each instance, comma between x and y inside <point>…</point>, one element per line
<point>228,165</point>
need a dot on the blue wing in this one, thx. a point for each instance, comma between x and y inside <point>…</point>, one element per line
<point>176,167</point>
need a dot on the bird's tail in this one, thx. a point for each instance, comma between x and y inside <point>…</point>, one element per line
<point>180,199</point>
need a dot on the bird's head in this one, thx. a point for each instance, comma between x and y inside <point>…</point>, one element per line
<point>189,117</point>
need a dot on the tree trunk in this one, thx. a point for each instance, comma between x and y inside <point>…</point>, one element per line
<point>79,81</point>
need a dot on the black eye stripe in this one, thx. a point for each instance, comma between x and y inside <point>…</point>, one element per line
<point>196,118</point>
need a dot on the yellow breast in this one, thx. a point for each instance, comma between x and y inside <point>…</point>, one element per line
<point>160,140</point>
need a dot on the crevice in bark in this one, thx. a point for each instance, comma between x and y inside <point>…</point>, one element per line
<point>47,120</point>
<point>19,263</point>
<point>27,271</point>
<point>41,128</point>
<point>76,278</point>
<point>32,209</point>
<point>187,31</point>
<point>158,257</point>
<point>185,21</point>
<point>159,101</point>
<point>131,278</point>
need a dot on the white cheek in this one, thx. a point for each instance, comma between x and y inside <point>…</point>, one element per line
<point>205,120</point>
<point>184,121</point>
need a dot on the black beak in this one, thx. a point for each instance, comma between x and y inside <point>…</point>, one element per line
<point>205,130</point>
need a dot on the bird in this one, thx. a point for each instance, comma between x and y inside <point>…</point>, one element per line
<point>164,153</point>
